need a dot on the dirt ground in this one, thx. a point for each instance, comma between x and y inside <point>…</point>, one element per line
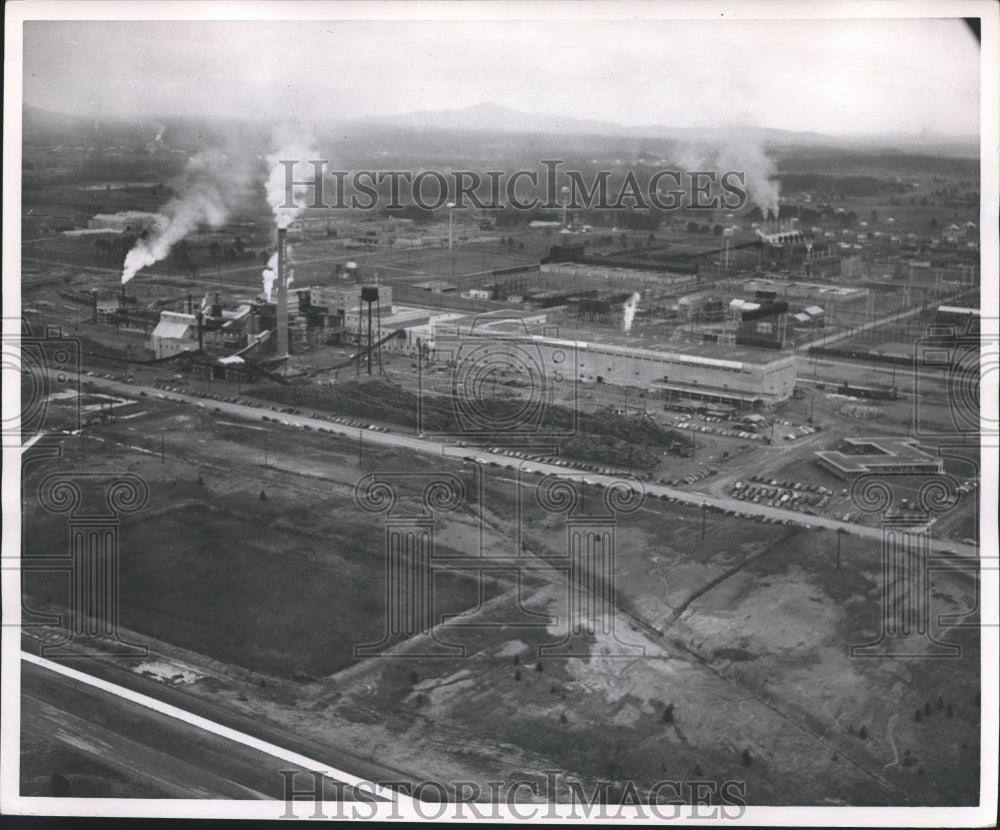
<point>747,632</point>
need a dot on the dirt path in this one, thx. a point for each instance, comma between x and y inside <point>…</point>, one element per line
<point>890,730</point>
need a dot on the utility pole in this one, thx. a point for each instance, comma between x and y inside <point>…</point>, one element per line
<point>162,453</point>
<point>265,447</point>
<point>704,506</point>
<point>361,442</point>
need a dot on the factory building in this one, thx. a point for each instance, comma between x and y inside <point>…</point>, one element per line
<point>127,221</point>
<point>339,300</point>
<point>341,309</point>
<point>742,377</point>
<point>807,291</point>
<point>174,333</point>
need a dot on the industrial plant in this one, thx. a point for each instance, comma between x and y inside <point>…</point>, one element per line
<point>351,480</point>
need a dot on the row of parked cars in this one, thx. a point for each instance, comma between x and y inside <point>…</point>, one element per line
<point>800,431</point>
<point>728,433</point>
<point>546,459</point>
<point>793,495</point>
<point>690,478</point>
<point>322,416</point>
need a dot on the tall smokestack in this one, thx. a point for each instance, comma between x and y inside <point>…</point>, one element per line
<point>281,306</point>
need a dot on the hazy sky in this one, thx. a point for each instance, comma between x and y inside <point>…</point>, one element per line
<point>847,76</point>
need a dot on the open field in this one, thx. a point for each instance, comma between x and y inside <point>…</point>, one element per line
<point>755,620</point>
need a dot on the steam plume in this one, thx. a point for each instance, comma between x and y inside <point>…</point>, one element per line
<point>293,144</point>
<point>208,189</point>
<point>628,312</point>
<point>758,167</point>
<point>270,275</point>
<point>742,152</point>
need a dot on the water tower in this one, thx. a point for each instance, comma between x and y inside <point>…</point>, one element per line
<point>727,247</point>
<point>369,295</point>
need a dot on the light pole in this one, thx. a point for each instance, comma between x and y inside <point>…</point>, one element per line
<point>265,447</point>
<point>704,506</point>
<point>451,214</point>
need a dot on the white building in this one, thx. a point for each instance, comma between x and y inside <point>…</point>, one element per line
<point>174,333</point>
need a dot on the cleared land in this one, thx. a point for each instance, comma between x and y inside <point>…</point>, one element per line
<point>747,633</point>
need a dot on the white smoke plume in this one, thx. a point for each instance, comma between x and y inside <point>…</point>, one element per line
<point>207,190</point>
<point>628,312</point>
<point>270,275</point>
<point>295,144</point>
<point>751,160</point>
<point>741,152</point>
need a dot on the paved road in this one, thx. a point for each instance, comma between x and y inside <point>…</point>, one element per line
<point>439,448</point>
<point>181,753</point>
